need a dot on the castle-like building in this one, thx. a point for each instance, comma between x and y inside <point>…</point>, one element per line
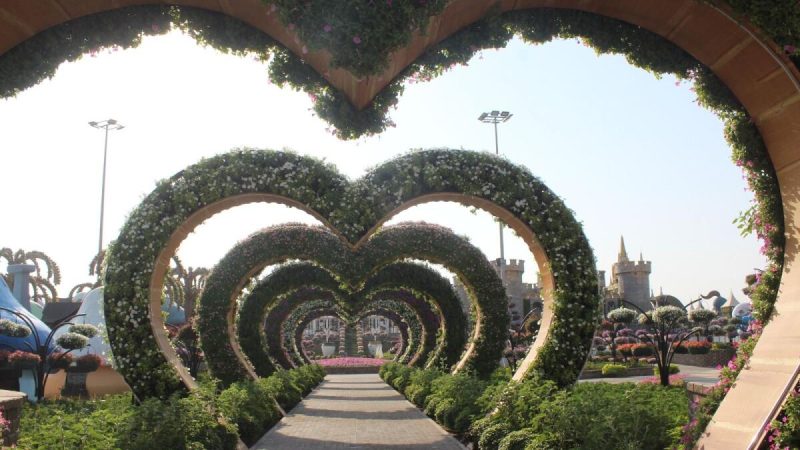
<point>630,281</point>
<point>522,297</point>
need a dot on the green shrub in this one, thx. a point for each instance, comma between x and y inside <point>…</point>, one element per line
<point>420,384</point>
<point>191,422</point>
<point>389,370</point>
<point>305,377</point>
<point>536,414</point>
<point>489,432</point>
<point>251,407</point>
<point>513,406</point>
<point>402,376</point>
<point>614,370</point>
<point>673,369</point>
<point>180,423</point>
<point>282,387</point>
<point>453,400</point>
<point>517,440</point>
<point>92,424</point>
<point>599,416</point>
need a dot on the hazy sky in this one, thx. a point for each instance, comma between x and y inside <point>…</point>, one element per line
<point>631,154</point>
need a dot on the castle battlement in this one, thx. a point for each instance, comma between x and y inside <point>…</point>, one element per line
<point>633,266</point>
<point>515,265</point>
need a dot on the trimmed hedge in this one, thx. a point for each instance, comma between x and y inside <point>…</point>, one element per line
<point>614,370</point>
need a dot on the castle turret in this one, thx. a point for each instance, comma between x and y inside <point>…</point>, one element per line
<point>623,254</point>
<point>632,279</point>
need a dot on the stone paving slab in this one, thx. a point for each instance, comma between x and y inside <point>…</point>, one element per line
<point>356,411</point>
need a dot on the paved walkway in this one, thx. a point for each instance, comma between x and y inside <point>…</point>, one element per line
<point>356,412</point>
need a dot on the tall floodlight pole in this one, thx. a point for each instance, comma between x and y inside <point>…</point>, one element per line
<point>109,124</point>
<point>495,117</point>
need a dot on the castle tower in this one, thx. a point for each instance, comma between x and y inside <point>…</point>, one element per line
<point>632,278</point>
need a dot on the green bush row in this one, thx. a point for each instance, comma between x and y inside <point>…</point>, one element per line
<point>536,414</point>
<point>454,401</point>
<point>247,410</point>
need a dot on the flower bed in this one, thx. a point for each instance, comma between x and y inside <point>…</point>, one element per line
<point>351,361</point>
<point>352,365</point>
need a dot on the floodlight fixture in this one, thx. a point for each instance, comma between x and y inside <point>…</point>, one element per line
<point>494,117</point>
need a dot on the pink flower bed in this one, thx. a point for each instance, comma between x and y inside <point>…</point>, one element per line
<point>676,379</point>
<point>350,362</point>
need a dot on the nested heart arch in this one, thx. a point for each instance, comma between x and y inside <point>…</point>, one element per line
<point>282,317</point>
<point>139,258</point>
<point>263,339</point>
<point>353,266</point>
<point>430,339</point>
<point>396,311</point>
<point>271,333</point>
<point>254,336</point>
<point>314,308</point>
<point>407,343</point>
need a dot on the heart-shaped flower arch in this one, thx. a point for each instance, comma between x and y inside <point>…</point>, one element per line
<point>139,258</point>
<point>419,279</point>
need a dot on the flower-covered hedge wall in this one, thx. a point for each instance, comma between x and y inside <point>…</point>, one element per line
<point>352,208</point>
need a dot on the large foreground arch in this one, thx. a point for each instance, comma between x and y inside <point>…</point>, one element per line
<point>752,66</point>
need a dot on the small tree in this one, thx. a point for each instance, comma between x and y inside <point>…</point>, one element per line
<point>192,281</point>
<point>617,320</point>
<point>667,328</point>
<point>49,356</point>
<point>702,318</point>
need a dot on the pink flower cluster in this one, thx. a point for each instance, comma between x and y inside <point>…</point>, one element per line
<point>350,362</point>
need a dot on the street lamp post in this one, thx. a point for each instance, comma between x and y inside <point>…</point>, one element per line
<point>495,117</point>
<point>109,124</point>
